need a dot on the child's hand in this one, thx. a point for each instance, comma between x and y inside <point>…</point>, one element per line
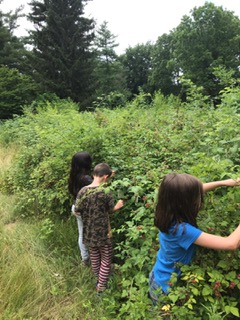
<point>76,214</point>
<point>112,174</point>
<point>119,205</point>
<point>232,182</point>
<point>237,181</point>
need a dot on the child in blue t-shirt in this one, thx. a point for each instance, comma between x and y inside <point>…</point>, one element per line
<point>180,198</point>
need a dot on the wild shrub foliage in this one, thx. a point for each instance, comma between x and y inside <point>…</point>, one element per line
<point>142,143</point>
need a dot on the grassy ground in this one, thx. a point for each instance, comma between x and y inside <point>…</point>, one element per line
<point>40,272</point>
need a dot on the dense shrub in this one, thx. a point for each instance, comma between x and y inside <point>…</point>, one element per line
<point>142,143</point>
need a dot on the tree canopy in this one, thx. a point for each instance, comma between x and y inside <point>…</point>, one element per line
<point>67,55</point>
<point>16,90</point>
<point>205,40</point>
<point>137,62</point>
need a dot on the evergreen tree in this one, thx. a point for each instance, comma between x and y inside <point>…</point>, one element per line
<point>62,59</point>
<point>12,51</point>
<point>109,72</point>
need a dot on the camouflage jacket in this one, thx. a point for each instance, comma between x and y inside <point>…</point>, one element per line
<point>94,205</point>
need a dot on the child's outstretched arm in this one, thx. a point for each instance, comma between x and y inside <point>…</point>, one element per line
<point>232,242</point>
<point>223,183</point>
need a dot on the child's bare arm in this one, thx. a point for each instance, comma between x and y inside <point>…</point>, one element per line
<point>223,183</point>
<point>232,242</point>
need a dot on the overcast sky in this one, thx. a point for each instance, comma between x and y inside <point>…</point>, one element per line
<point>134,21</point>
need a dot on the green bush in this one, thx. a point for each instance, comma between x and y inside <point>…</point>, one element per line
<point>142,144</point>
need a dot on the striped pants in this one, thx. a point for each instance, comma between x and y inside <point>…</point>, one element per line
<point>101,259</point>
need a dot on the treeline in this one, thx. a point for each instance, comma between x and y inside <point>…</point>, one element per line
<point>66,55</point>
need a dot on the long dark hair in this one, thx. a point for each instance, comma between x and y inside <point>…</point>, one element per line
<point>180,197</point>
<point>81,165</point>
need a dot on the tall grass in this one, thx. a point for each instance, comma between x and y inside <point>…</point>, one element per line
<point>38,280</point>
<point>40,272</point>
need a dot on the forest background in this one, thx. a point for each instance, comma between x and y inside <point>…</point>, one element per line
<point>157,108</point>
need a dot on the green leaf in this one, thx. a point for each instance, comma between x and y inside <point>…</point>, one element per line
<point>232,310</point>
<point>222,264</point>
<point>195,291</point>
<point>173,298</point>
<point>206,291</point>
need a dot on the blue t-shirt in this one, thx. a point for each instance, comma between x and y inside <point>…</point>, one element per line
<point>174,247</point>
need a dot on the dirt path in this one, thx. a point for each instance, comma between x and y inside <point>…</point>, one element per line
<point>6,156</point>
<point>6,201</point>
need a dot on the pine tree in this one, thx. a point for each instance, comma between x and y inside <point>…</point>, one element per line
<point>108,70</point>
<point>62,42</point>
<point>12,51</point>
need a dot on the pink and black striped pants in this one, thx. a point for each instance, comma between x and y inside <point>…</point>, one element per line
<point>101,259</point>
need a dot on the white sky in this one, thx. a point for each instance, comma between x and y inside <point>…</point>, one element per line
<point>133,21</point>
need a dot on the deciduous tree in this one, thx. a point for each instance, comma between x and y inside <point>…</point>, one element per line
<point>205,40</point>
<point>165,70</point>
<point>137,62</point>
<point>16,90</point>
